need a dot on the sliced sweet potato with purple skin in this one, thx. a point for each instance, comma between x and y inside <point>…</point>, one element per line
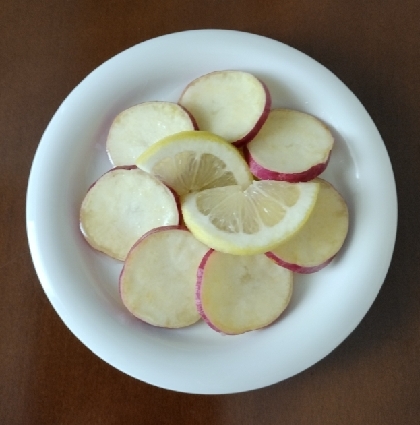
<point>157,282</point>
<point>232,104</point>
<point>291,146</point>
<point>319,240</point>
<point>121,206</point>
<point>137,128</point>
<point>237,294</point>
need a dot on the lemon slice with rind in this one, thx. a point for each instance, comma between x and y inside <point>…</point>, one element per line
<point>191,161</point>
<point>251,221</point>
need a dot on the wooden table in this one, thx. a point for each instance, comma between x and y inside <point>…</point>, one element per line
<point>46,375</point>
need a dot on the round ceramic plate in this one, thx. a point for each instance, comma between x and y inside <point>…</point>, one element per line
<point>82,284</point>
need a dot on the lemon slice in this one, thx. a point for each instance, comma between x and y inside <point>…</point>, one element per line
<point>191,161</point>
<point>251,221</point>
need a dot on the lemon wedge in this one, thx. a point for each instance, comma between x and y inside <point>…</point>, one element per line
<point>191,161</point>
<point>249,221</point>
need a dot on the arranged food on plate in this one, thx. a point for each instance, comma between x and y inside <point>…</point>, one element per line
<point>214,203</point>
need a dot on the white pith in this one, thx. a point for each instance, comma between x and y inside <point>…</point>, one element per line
<point>242,293</point>
<point>158,281</point>
<point>248,222</point>
<point>291,142</point>
<point>227,103</point>
<point>122,206</point>
<point>142,125</point>
<point>176,161</point>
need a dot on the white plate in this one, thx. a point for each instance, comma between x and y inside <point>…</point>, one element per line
<point>82,284</point>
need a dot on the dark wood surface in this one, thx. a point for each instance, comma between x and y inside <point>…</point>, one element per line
<point>46,375</point>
